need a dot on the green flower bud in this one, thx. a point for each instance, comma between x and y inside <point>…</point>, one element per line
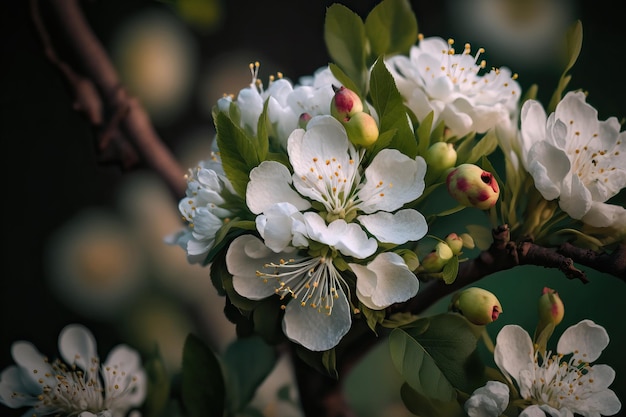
<point>471,186</point>
<point>345,104</point>
<point>362,129</point>
<point>550,307</point>
<point>479,306</point>
<point>410,258</point>
<point>435,260</point>
<point>439,157</point>
<point>455,242</point>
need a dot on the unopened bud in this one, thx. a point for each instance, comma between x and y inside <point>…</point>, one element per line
<point>303,120</point>
<point>472,186</point>
<point>362,129</point>
<point>468,241</point>
<point>550,307</point>
<point>410,258</point>
<point>479,306</point>
<point>436,260</point>
<point>345,104</point>
<point>455,242</point>
<point>439,157</point>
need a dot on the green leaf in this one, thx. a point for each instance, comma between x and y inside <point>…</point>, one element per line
<point>262,137</point>
<point>391,28</point>
<point>418,368</point>
<point>373,317</point>
<point>451,270</point>
<point>202,384</point>
<point>485,146</point>
<point>267,317</point>
<point>450,340</point>
<point>391,110</point>
<point>248,361</point>
<point>238,152</point>
<point>344,34</point>
<point>573,44</point>
<point>343,78</point>
<point>421,405</point>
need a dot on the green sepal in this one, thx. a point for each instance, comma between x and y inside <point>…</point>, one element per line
<point>202,384</point>
<point>372,317</point>
<point>451,270</point>
<point>324,362</point>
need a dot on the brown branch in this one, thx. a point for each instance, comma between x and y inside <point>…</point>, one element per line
<point>129,120</point>
<point>613,263</point>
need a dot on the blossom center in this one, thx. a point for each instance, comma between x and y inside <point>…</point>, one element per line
<point>591,163</point>
<point>562,383</point>
<point>314,282</point>
<point>334,184</point>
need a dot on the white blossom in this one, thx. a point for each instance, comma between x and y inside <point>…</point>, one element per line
<point>455,87</point>
<point>576,158</point>
<point>77,384</point>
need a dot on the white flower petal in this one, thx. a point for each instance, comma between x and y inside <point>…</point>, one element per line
<point>270,184</point>
<point>392,180</point>
<point>33,364</point>
<point>514,351</point>
<point>245,256</point>
<point>384,281</point>
<point>348,238</point>
<point>14,392</point>
<point>549,166</point>
<point>317,330</point>
<point>77,346</point>
<point>401,227</point>
<point>586,340</point>
<point>488,401</point>
<point>605,215</point>
<point>281,224</point>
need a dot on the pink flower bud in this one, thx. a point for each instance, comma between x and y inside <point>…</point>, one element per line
<point>471,186</point>
<point>362,129</point>
<point>345,104</point>
<point>455,242</point>
<point>477,305</point>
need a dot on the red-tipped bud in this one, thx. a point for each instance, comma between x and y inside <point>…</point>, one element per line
<point>455,242</point>
<point>550,307</point>
<point>472,186</point>
<point>362,129</point>
<point>436,260</point>
<point>303,120</point>
<point>479,306</point>
<point>345,104</point>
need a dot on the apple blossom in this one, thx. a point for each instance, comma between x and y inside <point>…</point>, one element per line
<point>78,384</point>
<point>455,87</point>
<point>575,158</point>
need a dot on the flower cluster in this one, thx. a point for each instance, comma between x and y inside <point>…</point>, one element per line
<point>77,384</point>
<point>315,193</point>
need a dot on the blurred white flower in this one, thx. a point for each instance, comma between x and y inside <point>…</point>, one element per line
<point>77,384</point>
<point>576,158</point>
<point>96,266</point>
<point>455,87</point>
<point>156,57</point>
